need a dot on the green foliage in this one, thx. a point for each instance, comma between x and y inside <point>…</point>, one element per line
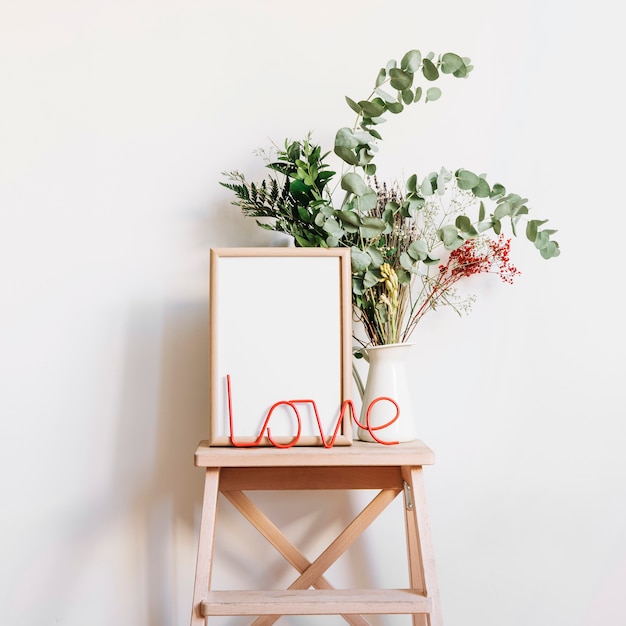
<point>298,203</point>
<point>357,145</point>
<point>387,230</point>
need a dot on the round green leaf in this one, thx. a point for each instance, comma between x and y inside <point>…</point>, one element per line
<point>377,257</point>
<point>349,217</point>
<point>432,94</point>
<point>345,138</point>
<point>360,260</point>
<point>353,183</point>
<point>411,61</point>
<point>463,223</point>
<point>503,209</point>
<point>426,188</point>
<point>372,227</point>
<point>345,154</point>
<point>481,190</point>
<point>451,63</point>
<point>407,96</point>
<point>449,235</point>
<point>542,240</point>
<point>443,179</point>
<point>418,250</point>
<point>466,179</point>
<point>462,72</point>
<point>396,107</point>
<point>551,250</point>
<point>392,207</point>
<point>368,201</point>
<point>532,228</point>
<point>370,279</point>
<point>497,191</point>
<point>429,69</point>
<point>332,226</point>
<point>373,108</point>
<point>406,262</point>
<point>400,79</point>
<point>404,278</point>
<point>353,105</point>
<point>357,285</point>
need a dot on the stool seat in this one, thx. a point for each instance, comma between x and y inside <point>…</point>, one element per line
<point>359,453</point>
<point>390,469</point>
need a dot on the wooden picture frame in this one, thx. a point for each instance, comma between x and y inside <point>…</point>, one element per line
<point>280,330</point>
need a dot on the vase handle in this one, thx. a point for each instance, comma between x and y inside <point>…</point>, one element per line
<point>358,380</point>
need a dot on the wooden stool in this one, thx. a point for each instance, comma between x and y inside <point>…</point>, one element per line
<point>391,469</point>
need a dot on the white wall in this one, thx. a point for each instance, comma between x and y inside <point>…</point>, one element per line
<point>116,119</point>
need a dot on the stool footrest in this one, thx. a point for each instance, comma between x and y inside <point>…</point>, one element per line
<point>315,602</point>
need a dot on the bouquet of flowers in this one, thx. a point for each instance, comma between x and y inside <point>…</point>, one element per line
<point>411,243</point>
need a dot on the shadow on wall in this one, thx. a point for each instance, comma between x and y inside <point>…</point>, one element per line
<point>164,414</point>
<point>137,516</point>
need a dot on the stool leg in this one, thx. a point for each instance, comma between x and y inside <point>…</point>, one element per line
<point>420,552</point>
<point>205,544</point>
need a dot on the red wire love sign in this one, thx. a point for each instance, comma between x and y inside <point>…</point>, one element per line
<point>292,404</point>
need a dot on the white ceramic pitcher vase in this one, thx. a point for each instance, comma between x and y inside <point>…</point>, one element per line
<point>387,393</point>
